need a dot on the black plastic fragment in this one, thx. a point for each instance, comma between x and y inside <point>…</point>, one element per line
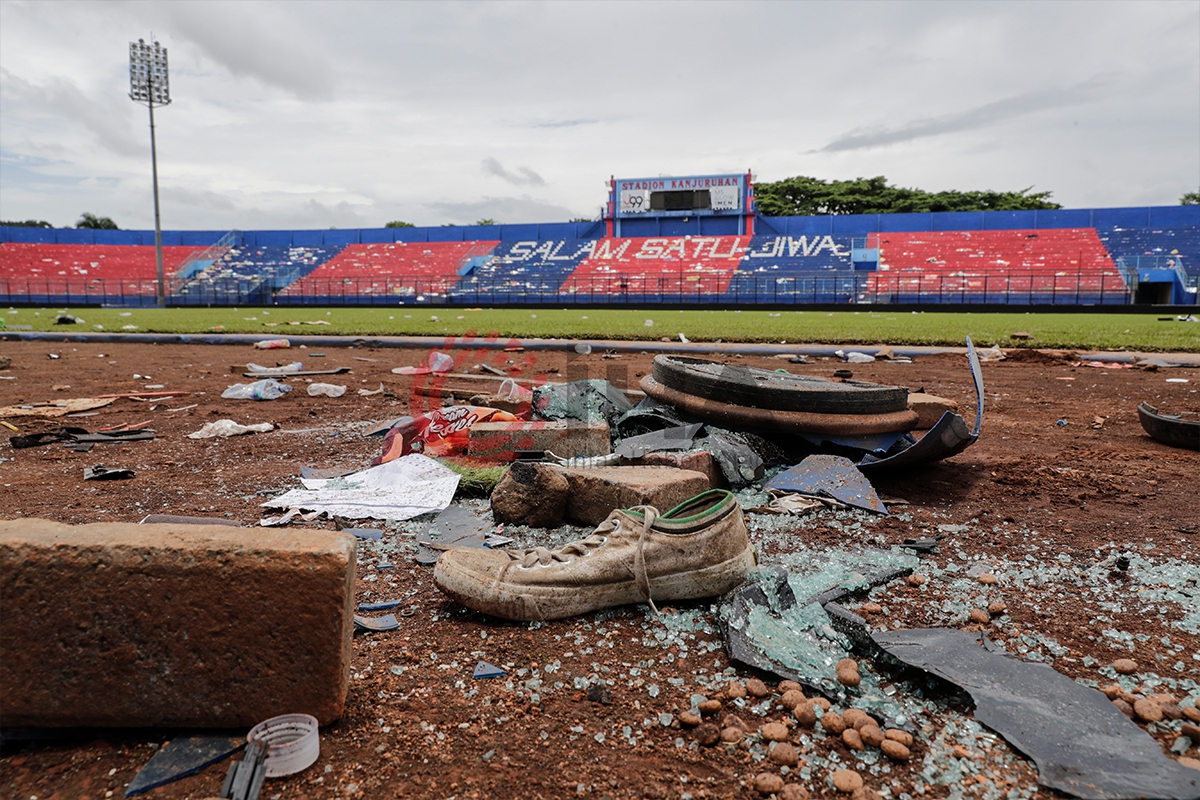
<point>1082,744</point>
<point>180,757</point>
<point>676,438</point>
<point>245,778</point>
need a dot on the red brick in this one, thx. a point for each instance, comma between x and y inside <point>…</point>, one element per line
<point>172,625</point>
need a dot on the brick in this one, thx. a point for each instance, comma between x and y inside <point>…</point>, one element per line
<point>696,461</point>
<point>929,408</point>
<point>172,625</point>
<point>596,491</point>
<point>498,440</point>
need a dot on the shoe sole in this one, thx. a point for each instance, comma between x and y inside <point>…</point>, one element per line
<point>535,602</point>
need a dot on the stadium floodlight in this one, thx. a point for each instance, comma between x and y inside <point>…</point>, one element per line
<point>149,84</point>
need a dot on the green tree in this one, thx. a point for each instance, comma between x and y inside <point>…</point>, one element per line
<point>804,196</point>
<point>399,223</point>
<point>91,221</point>
<point>1190,199</point>
<point>29,223</point>
<point>486,221</point>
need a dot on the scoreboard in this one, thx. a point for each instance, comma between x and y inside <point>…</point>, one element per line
<point>695,195</point>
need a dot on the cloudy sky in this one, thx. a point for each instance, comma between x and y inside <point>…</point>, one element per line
<point>344,114</point>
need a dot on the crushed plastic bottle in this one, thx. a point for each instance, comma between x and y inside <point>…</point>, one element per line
<point>327,389</point>
<point>273,344</point>
<point>267,389</point>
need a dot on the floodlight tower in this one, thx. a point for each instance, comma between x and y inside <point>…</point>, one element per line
<point>149,84</point>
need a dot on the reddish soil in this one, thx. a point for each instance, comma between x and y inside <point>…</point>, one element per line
<point>1065,496</point>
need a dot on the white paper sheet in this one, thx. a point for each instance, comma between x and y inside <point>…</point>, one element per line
<point>401,489</point>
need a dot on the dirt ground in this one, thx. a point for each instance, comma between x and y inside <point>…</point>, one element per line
<point>1062,490</point>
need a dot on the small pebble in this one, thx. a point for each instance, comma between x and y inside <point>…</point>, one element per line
<point>793,791</point>
<point>735,690</point>
<point>980,617</point>
<point>871,735</point>
<point>856,717</point>
<point>851,739</point>
<point>707,734</point>
<point>767,783</point>
<point>894,750</point>
<point>1163,698</point>
<point>1191,712</point>
<point>847,663</point>
<point>732,735</point>
<point>848,677</point>
<point>688,719</point>
<point>847,780</point>
<point>897,735</point>
<point>785,755</point>
<point>1194,763</point>
<point>866,793</point>
<point>997,608</point>
<point>916,579</point>
<point>775,732</point>
<point>791,698</point>
<point>710,707</point>
<point>734,721</point>
<point>987,579</point>
<point>833,722</point>
<point>822,702</point>
<point>787,686</point>
<point>1172,712</point>
<point>805,714</point>
<point>1192,732</point>
<point>1112,691</point>
<point>1147,710</point>
<point>1123,707</point>
<point>1125,666</point>
<point>871,608</point>
<point>757,688</point>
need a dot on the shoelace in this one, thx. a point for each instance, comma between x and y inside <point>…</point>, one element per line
<point>582,547</point>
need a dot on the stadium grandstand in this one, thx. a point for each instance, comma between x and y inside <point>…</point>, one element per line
<point>694,240</point>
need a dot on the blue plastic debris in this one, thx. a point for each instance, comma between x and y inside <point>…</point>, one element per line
<point>180,757</point>
<point>382,605</point>
<point>830,476</point>
<point>364,533</point>
<point>485,670</point>
<point>1062,422</point>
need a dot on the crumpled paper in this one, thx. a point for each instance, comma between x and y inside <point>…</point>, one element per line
<point>227,427</point>
<point>400,489</point>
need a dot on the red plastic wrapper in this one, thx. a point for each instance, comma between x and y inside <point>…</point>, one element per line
<point>441,432</point>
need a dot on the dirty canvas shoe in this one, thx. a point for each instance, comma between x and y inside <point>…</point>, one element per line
<point>697,549</point>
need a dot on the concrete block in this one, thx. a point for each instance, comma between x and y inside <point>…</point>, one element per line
<point>172,625</point>
<point>696,461</point>
<point>530,494</point>
<point>498,440</point>
<point>929,408</point>
<point>595,491</point>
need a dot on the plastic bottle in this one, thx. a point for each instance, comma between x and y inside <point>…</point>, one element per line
<point>273,344</point>
<point>267,389</point>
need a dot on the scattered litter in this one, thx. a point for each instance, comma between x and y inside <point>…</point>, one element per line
<point>103,473</point>
<point>1177,380</point>
<point>591,400</point>
<point>292,742</point>
<point>485,670</point>
<point>612,459</point>
<point>180,757</point>
<point>284,519</point>
<point>829,476</point>
<point>364,533</point>
<point>583,348</point>
<point>387,622</point>
<point>437,362</point>
<point>1062,422</point>
<point>267,389</point>
<point>1082,744</point>
<point>272,344</point>
<point>454,527</point>
<point>441,432</point>
<point>227,427</point>
<point>325,389</point>
<point>684,339</point>
<point>676,438</point>
<point>382,605</point>
<point>287,369</point>
<point>245,778</point>
<point>493,370</point>
<point>57,409</point>
<point>370,392</point>
<point>80,435</point>
<point>993,353</point>
<point>854,357</point>
<point>401,489</point>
